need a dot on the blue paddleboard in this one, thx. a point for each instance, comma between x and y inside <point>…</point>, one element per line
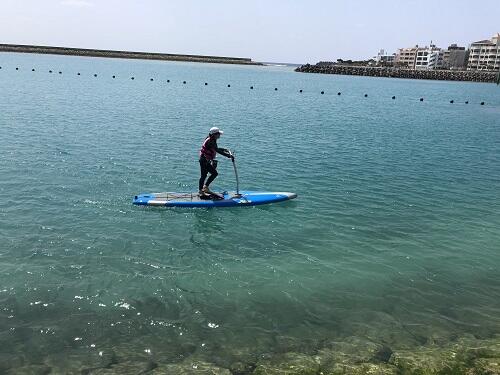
<point>225,199</point>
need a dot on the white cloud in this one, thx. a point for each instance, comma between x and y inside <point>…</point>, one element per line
<point>77,3</point>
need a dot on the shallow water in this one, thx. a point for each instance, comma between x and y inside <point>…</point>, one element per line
<point>394,237</point>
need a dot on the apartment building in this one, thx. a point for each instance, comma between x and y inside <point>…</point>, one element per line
<point>405,57</point>
<point>455,57</point>
<point>428,58</point>
<point>485,54</point>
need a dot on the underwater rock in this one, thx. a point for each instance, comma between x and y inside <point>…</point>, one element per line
<point>226,351</point>
<point>288,364</point>
<point>428,361</point>
<point>237,368</point>
<point>190,368</point>
<point>361,369</point>
<point>237,360</point>
<point>8,361</point>
<point>286,344</point>
<point>465,356</point>
<point>373,326</point>
<point>355,355</point>
<point>80,363</point>
<point>31,370</point>
<point>125,368</point>
<point>480,348</point>
<point>482,355</point>
<point>486,366</point>
<point>383,354</point>
<point>352,350</point>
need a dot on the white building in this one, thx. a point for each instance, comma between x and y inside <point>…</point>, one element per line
<point>420,57</point>
<point>429,58</point>
<point>383,58</point>
<point>485,54</point>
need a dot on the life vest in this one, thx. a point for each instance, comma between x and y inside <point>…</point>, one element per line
<point>208,153</point>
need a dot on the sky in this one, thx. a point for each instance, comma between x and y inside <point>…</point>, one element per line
<point>293,31</point>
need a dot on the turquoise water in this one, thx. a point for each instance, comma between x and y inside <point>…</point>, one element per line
<point>394,237</point>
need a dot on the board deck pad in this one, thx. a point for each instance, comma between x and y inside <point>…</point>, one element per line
<point>225,199</point>
<point>211,196</point>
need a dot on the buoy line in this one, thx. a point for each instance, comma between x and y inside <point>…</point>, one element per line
<point>322,92</point>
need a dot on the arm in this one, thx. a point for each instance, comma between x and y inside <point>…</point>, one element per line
<point>223,151</point>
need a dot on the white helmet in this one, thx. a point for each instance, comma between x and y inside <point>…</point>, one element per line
<point>215,130</point>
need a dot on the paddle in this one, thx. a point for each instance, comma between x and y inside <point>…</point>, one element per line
<point>231,153</point>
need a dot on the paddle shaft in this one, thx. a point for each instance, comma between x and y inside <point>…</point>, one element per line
<point>236,174</point>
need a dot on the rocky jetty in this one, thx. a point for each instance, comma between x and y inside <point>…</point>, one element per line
<point>123,54</point>
<point>444,75</point>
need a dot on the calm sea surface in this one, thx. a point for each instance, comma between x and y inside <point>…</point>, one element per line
<point>394,236</point>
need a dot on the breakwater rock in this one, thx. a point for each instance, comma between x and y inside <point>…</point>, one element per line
<point>444,75</point>
<point>124,54</point>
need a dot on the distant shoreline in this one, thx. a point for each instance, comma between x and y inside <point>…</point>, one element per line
<point>50,50</point>
<point>442,75</point>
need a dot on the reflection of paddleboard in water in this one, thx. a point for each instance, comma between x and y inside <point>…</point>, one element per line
<point>226,199</point>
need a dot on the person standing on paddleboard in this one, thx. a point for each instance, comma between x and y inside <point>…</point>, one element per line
<point>208,164</point>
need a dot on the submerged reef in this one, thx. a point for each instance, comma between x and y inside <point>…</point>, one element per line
<point>353,355</point>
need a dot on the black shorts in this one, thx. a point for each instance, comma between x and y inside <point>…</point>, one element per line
<point>208,166</point>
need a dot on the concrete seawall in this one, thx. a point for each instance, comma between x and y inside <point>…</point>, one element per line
<point>444,75</point>
<point>123,54</point>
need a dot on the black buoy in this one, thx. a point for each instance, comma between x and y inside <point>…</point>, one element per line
<point>95,75</point>
<point>275,89</point>
<point>50,71</point>
<point>339,93</point>
<point>17,68</point>
<point>366,95</point>
<point>206,83</point>
<point>78,74</point>
<point>33,69</point>
<point>60,72</point>
<point>151,79</point>
<point>114,76</point>
<point>482,103</point>
<point>132,78</point>
<point>184,82</point>
<point>168,81</point>
<point>467,102</point>
<point>322,92</point>
<point>452,101</point>
<point>393,97</point>
<point>228,85</point>
<point>251,87</point>
<point>421,99</point>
